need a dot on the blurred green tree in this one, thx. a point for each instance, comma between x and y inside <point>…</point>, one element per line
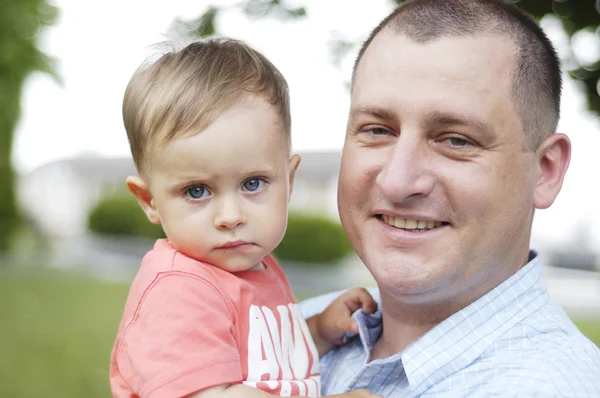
<point>20,23</point>
<point>578,17</point>
<point>120,215</point>
<point>313,239</point>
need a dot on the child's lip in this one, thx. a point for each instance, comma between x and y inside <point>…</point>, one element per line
<point>233,244</point>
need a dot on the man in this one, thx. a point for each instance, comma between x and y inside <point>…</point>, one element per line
<point>450,148</point>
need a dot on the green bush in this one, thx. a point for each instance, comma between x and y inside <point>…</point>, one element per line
<point>314,240</point>
<point>121,215</point>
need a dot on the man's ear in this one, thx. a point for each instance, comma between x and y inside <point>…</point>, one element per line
<point>553,157</point>
<point>139,189</point>
<point>293,166</point>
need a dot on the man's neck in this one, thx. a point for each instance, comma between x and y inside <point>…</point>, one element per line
<point>404,324</point>
<point>405,321</point>
<point>405,318</point>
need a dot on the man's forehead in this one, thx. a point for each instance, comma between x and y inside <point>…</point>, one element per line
<point>484,49</point>
<point>484,62</point>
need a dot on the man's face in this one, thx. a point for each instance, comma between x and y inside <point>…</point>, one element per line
<point>436,189</point>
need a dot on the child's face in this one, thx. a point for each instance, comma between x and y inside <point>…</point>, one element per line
<point>221,195</point>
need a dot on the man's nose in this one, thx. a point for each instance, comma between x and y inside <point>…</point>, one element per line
<point>406,173</point>
<point>229,213</point>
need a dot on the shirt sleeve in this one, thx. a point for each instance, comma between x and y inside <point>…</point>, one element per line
<point>181,339</point>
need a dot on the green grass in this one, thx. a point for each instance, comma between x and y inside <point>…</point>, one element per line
<point>591,328</point>
<point>56,335</point>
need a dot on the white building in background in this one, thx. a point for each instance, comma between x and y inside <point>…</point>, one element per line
<point>58,196</point>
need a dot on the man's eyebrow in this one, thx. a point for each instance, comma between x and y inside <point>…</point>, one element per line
<point>372,111</point>
<point>445,119</point>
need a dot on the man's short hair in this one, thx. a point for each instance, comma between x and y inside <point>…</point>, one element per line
<point>537,77</point>
<point>184,91</point>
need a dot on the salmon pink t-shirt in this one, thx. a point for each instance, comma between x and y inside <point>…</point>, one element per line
<point>188,326</point>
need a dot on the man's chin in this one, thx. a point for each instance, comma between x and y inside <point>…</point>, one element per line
<point>402,276</point>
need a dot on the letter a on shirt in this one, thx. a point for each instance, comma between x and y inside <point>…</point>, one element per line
<point>282,357</point>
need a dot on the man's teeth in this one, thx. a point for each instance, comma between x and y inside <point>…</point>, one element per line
<point>410,224</point>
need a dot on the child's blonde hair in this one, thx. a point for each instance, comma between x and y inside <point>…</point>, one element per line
<point>185,91</point>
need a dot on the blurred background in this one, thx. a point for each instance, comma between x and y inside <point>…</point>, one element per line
<point>71,238</point>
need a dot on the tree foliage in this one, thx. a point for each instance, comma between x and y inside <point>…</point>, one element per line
<point>577,16</point>
<point>121,216</point>
<point>311,239</point>
<point>20,24</point>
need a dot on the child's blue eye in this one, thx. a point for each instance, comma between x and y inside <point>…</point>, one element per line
<point>253,184</point>
<point>196,192</point>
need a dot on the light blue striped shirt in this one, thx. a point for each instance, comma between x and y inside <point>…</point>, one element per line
<point>512,342</point>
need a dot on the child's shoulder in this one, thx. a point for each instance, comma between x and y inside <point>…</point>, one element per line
<point>165,259</point>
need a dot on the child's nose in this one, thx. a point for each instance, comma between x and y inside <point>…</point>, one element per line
<point>229,214</point>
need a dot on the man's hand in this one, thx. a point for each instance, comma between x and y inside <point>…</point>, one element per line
<point>329,327</point>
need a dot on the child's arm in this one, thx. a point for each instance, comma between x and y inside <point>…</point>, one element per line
<point>329,327</point>
<point>240,390</point>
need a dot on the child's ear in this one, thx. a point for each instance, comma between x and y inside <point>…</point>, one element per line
<point>553,158</point>
<point>139,189</point>
<point>293,166</point>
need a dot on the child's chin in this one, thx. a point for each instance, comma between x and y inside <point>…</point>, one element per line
<point>241,266</point>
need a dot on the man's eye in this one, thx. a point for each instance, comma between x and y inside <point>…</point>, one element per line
<point>378,131</point>
<point>458,142</point>
<point>197,192</point>
<point>253,184</point>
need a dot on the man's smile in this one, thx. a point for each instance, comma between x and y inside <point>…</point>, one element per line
<point>412,224</point>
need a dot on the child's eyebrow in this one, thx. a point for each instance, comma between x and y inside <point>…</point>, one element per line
<point>257,171</point>
<point>208,178</point>
<point>181,184</point>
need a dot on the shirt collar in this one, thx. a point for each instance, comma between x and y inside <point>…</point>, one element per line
<point>465,335</point>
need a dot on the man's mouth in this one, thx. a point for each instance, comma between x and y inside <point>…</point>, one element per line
<point>410,224</point>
